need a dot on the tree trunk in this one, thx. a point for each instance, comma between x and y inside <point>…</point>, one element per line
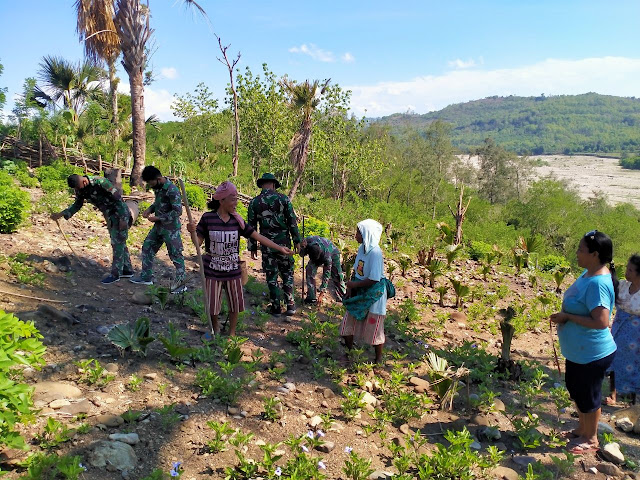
<point>113,93</point>
<point>40,150</point>
<point>459,216</point>
<point>139,128</point>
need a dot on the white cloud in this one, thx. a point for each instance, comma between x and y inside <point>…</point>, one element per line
<point>348,58</point>
<point>156,102</point>
<point>314,52</point>
<point>460,64</point>
<point>169,72</point>
<point>605,75</point>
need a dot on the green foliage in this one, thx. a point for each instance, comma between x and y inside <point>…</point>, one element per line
<point>23,270</point>
<point>196,196</point>
<point>314,226</point>
<point>549,263</point>
<point>479,250</point>
<point>55,433</point>
<point>160,294</point>
<point>456,461</point>
<point>558,124</point>
<point>222,431</point>
<point>19,345</point>
<point>53,178</point>
<point>352,403</point>
<point>53,202</point>
<point>526,429</point>
<point>96,375</point>
<point>133,335</point>
<point>357,467</point>
<point>270,407</point>
<point>14,204</point>
<point>175,344</point>
<point>630,163</point>
<point>43,466</point>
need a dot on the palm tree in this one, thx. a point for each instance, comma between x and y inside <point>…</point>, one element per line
<point>304,98</point>
<point>63,81</point>
<point>96,28</point>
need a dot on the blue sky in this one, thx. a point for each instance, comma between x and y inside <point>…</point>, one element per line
<point>394,56</point>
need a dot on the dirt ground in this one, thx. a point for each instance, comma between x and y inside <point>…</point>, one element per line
<point>94,308</point>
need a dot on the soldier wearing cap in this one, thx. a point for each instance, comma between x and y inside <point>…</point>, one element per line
<point>273,214</point>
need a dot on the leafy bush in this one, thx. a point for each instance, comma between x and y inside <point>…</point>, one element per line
<point>550,262</point>
<point>196,196</point>
<point>14,205</point>
<point>20,345</point>
<point>479,250</point>
<point>313,226</point>
<point>53,178</point>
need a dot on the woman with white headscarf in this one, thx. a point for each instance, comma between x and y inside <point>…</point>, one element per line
<point>368,272</point>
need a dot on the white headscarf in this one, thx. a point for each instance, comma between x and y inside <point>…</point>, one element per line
<point>371,232</point>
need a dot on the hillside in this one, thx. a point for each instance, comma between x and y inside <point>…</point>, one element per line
<point>589,123</point>
<point>289,381</point>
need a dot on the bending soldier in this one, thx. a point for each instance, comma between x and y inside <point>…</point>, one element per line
<point>101,193</point>
<point>322,252</point>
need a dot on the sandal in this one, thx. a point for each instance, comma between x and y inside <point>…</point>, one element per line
<point>582,448</point>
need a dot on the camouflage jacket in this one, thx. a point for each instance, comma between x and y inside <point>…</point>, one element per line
<point>103,195</point>
<point>328,251</point>
<point>167,206</point>
<point>273,213</point>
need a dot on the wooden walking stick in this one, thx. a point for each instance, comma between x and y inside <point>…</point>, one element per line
<point>302,256</point>
<point>194,239</point>
<point>69,243</point>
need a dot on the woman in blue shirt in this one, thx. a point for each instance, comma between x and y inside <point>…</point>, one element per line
<point>585,339</point>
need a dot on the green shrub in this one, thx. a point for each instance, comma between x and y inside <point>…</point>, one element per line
<point>550,262</point>
<point>313,226</point>
<point>25,179</point>
<point>196,197</point>
<point>53,178</point>
<point>20,345</point>
<point>14,205</point>
<point>142,206</point>
<point>479,250</point>
<point>126,188</point>
<point>53,202</point>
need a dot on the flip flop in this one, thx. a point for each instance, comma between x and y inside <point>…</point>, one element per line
<point>582,448</point>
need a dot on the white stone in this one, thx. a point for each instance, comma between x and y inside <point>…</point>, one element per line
<point>624,424</point>
<point>611,451</point>
<point>129,438</point>
<point>369,399</point>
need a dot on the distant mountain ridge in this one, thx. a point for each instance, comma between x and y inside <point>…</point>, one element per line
<point>587,123</point>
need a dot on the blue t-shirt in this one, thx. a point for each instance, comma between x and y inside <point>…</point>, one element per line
<point>581,344</point>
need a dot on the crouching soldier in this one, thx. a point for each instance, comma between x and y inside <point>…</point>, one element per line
<point>322,252</point>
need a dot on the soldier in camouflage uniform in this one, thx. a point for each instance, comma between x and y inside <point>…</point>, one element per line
<point>165,213</point>
<point>105,197</point>
<point>273,212</point>
<point>323,252</point>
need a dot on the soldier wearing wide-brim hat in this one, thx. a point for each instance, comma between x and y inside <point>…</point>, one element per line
<point>272,213</point>
<point>268,177</point>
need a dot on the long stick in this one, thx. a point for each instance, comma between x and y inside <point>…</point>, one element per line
<point>33,298</point>
<point>194,239</point>
<point>69,243</point>
<point>303,271</point>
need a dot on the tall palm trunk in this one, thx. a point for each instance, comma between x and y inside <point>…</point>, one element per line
<point>113,92</point>
<point>139,127</point>
<point>299,152</point>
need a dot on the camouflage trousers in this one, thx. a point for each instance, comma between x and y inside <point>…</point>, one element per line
<point>156,237</point>
<point>337,276</point>
<point>274,264</point>
<point>119,237</point>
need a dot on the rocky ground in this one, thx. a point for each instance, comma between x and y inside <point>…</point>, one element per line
<point>171,411</point>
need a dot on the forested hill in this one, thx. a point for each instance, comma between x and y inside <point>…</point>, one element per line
<point>589,123</point>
